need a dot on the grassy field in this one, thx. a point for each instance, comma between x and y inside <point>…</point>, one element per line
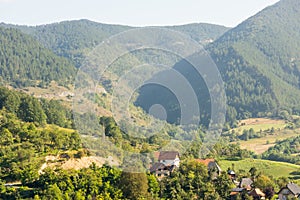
<point>258,124</point>
<point>260,145</point>
<point>270,168</point>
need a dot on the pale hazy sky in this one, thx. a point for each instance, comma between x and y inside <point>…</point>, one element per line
<point>131,12</point>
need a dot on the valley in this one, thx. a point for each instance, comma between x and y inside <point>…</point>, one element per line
<point>62,138</point>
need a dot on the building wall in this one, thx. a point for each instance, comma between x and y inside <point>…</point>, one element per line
<point>171,162</point>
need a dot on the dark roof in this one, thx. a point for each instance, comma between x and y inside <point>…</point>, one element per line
<point>168,155</point>
<point>294,188</point>
<point>156,166</point>
<point>231,172</point>
<point>245,182</point>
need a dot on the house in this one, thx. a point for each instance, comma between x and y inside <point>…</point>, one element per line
<point>257,194</point>
<point>231,174</point>
<point>246,183</point>
<point>244,186</point>
<point>169,158</point>
<point>168,161</point>
<point>289,191</point>
<point>160,170</point>
<point>213,168</point>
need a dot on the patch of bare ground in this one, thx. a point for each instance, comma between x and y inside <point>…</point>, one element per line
<point>76,163</point>
<point>256,121</point>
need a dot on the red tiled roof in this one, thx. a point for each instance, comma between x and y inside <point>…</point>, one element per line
<point>206,161</point>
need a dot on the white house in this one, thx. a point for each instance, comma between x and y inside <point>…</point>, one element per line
<point>169,158</point>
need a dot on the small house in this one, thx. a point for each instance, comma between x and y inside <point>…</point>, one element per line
<point>160,170</point>
<point>291,190</point>
<point>231,174</point>
<point>169,158</point>
<point>246,183</point>
<point>212,166</point>
<point>168,161</point>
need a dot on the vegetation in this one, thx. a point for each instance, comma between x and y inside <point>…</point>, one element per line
<point>30,109</point>
<point>72,39</point>
<point>286,150</point>
<point>259,63</point>
<point>25,62</point>
<point>24,145</point>
<point>269,168</point>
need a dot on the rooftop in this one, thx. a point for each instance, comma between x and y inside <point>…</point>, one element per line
<point>168,155</point>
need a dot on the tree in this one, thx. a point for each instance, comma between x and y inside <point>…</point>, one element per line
<point>153,186</point>
<point>223,185</point>
<point>54,193</point>
<point>30,110</point>
<point>253,172</point>
<point>28,175</point>
<point>263,182</point>
<point>134,185</point>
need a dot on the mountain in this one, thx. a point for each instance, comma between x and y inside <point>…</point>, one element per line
<point>72,39</point>
<point>260,62</point>
<point>25,62</point>
<point>259,59</point>
<point>202,32</point>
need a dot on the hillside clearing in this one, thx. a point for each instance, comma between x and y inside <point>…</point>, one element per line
<point>260,145</point>
<point>259,124</point>
<point>76,163</point>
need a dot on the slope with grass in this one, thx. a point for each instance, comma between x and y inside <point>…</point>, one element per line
<point>260,145</point>
<point>262,133</point>
<point>259,124</point>
<point>270,168</point>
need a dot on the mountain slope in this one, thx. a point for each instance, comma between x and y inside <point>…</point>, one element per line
<point>72,39</point>
<point>25,62</point>
<point>260,61</point>
<point>201,32</point>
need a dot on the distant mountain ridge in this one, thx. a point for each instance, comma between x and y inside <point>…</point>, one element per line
<point>72,39</point>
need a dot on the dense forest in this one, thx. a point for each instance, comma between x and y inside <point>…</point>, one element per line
<point>73,39</point>
<point>25,62</point>
<point>259,62</point>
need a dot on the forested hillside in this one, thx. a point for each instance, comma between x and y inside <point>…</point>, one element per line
<point>30,129</point>
<point>72,39</point>
<point>25,62</point>
<point>260,62</point>
<point>259,59</point>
